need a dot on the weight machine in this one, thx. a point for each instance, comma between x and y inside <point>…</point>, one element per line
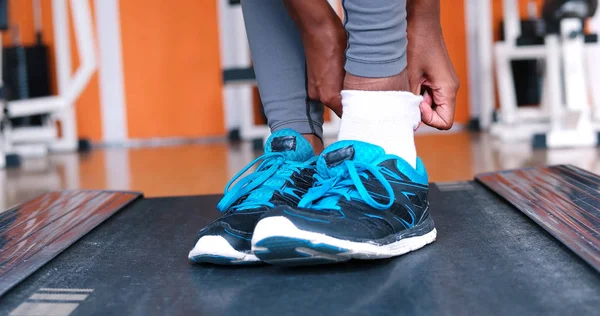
<point>39,140</point>
<point>569,113</point>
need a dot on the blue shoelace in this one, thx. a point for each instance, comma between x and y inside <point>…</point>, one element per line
<point>347,183</point>
<point>274,167</point>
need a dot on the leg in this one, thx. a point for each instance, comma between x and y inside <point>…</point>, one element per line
<point>376,54</point>
<point>377,106</point>
<point>280,66</point>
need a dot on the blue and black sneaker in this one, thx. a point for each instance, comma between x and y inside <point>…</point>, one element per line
<point>364,205</point>
<point>283,177</point>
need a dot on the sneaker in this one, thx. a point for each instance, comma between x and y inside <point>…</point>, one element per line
<point>282,178</point>
<point>364,205</point>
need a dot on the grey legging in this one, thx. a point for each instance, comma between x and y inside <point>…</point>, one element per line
<point>376,48</point>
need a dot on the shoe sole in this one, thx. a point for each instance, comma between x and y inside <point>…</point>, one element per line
<point>216,250</point>
<point>278,241</point>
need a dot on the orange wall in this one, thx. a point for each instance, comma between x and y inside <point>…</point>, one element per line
<point>172,68</point>
<point>454,29</point>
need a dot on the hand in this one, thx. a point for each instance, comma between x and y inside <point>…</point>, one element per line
<point>325,57</point>
<point>324,39</point>
<point>430,73</point>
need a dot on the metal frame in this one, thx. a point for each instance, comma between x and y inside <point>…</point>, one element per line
<point>481,63</point>
<point>3,136</point>
<point>565,124</point>
<point>70,86</point>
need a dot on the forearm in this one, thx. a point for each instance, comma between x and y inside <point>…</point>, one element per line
<point>425,11</point>
<point>312,17</point>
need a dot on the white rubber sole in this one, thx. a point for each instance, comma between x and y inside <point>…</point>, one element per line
<point>216,249</point>
<point>282,234</point>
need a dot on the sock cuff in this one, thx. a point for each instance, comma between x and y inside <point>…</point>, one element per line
<point>382,106</point>
<point>390,93</point>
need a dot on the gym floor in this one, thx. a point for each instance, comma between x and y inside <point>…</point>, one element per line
<point>205,167</point>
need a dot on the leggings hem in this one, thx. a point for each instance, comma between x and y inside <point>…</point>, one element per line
<point>300,126</point>
<point>375,69</point>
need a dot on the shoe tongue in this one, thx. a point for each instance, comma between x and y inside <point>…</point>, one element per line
<point>334,156</point>
<point>291,143</point>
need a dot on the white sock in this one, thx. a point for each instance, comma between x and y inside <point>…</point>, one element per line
<point>384,118</point>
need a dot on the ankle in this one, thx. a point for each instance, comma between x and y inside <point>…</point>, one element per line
<point>398,82</point>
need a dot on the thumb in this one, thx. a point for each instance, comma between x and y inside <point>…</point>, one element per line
<point>440,116</point>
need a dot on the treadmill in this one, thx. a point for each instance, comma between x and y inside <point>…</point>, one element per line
<point>515,242</point>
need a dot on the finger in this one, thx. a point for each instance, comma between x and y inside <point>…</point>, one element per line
<point>427,98</point>
<point>440,110</point>
<point>444,100</point>
<point>446,114</point>
<point>431,117</point>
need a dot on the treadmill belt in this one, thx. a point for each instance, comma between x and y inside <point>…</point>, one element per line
<point>33,233</point>
<point>564,200</point>
<point>489,259</point>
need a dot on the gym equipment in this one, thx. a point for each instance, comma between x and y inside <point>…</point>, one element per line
<point>527,72</point>
<point>39,140</point>
<point>490,258</point>
<point>9,159</point>
<point>26,75</point>
<point>568,113</point>
<point>3,15</point>
<point>27,71</point>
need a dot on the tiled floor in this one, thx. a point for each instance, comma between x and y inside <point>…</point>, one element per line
<point>205,169</point>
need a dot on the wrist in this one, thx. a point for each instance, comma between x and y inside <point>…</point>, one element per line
<point>427,26</point>
<point>423,12</point>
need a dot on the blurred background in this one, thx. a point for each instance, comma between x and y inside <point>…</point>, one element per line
<point>159,96</point>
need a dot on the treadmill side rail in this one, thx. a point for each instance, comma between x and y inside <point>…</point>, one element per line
<point>564,200</point>
<point>35,232</point>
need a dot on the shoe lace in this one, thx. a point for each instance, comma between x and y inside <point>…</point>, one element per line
<point>273,171</point>
<point>347,183</point>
